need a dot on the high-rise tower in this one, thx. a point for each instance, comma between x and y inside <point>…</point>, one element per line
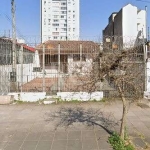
<point>59,20</point>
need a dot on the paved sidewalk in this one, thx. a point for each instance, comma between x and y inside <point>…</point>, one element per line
<point>68,126</point>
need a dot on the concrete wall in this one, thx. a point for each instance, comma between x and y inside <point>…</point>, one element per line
<point>141,21</point>
<point>80,96</point>
<point>29,97</point>
<point>129,24</point>
<point>109,30</point>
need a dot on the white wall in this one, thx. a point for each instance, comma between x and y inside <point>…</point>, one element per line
<point>141,20</point>
<point>80,96</point>
<point>133,22</point>
<point>29,97</point>
<point>129,24</point>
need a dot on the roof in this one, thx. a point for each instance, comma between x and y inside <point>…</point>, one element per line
<point>18,44</point>
<point>68,47</point>
<point>29,48</point>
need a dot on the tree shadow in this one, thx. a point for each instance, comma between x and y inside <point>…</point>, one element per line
<point>68,116</point>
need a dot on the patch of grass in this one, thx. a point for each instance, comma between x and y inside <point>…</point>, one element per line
<point>104,99</point>
<point>119,144</point>
<point>18,101</point>
<point>22,102</point>
<point>65,101</point>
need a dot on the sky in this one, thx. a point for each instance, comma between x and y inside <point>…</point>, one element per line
<point>94,16</point>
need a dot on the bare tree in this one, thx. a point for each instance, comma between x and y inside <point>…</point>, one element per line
<point>122,69</point>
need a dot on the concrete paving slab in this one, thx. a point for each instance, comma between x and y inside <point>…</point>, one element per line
<point>89,144</point>
<point>74,135</point>
<point>138,142</point>
<point>19,136</point>
<point>60,135</point>
<point>5,137</point>
<point>103,144</point>
<point>88,134</point>
<point>74,145</point>
<point>47,136</point>
<point>59,145</point>
<point>29,145</point>
<point>44,145</point>
<point>13,145</point>
<point>33,136</point>
<point>2,145</point>
<point>147,140</point>
<point>102,134</point>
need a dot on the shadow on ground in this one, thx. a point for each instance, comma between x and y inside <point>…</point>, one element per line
<point>69,116</point>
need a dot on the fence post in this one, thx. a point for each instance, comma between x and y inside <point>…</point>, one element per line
<point>43,68</point>
<point>59,67</point>
<point>80,53</point>
<point>21,59</point>
<point>145,64</point>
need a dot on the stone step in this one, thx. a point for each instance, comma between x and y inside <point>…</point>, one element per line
<point>50,101</point>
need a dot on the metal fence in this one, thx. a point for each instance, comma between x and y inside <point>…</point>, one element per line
<point>50,67</point>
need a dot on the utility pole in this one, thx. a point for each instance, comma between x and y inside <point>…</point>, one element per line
<point>13,75</point>
<point>59,67</point>
<point>146,23</point>
<point>43,85</point>
<point>13,36</point>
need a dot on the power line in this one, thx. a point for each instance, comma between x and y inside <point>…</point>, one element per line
<point>10,21</point>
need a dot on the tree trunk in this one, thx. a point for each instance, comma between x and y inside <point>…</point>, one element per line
<point>123,120</point>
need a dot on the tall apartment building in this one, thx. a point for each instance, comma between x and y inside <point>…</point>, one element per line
<point>59,20</point>
<point>126,27</point>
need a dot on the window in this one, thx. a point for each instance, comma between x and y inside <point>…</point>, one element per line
<point>64,29</point>
<point>76,57</point>
<point>63,12</point>
<point>55,37</point>
<point>56,16</point>
<point>63,8</point>
<point>55,24</point>
<point>55,33</point>
<point>56,20</point>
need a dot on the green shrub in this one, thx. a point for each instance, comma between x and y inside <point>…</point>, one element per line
<point>119,144</point>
